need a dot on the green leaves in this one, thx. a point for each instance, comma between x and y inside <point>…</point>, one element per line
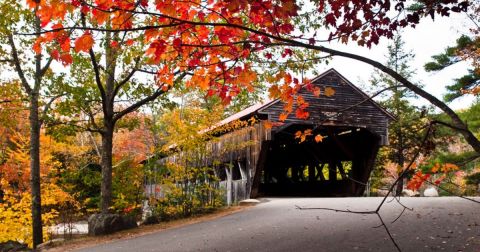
<point>465,49</point>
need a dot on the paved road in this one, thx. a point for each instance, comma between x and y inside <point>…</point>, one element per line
<point>435,224</point>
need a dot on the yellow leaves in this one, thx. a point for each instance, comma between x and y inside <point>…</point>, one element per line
<point>15,211</point>
<point>282,117</point>
<point>84,43</point>
<point>329,91</point>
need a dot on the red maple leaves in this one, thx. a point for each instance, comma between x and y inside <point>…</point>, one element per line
<point>365,21</point>
<point>218,36</point>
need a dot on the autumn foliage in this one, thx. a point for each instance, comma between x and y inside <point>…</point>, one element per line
<point>439,171</point>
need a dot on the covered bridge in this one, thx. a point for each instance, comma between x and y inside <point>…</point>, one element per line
<point>269,161</point>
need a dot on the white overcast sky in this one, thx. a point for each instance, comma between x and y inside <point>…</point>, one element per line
<point>428,39</point>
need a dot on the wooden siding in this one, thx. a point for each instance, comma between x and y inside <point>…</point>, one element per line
<point>329,110</point>
<point>241,148</point>
<point>253,151</point>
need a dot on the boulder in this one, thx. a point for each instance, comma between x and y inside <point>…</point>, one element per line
<point>248,202</point>
<point>101,224</point>
<point>13,246</point>
<point>430,192</point>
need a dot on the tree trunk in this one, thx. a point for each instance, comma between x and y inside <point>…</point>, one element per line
<point>107,149</point>
<point>35,171</point>
<point>401,162</point>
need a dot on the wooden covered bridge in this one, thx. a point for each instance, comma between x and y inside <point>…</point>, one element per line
<point>269,161</point>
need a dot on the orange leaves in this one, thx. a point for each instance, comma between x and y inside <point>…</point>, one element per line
<point>329,92</point>
<point>444,168</point>
<point>165,78</point>
<point>417,180</point>
<point>302,136</point>
<point>319,138</point>
<point>244,76</point>
<point>49,10</point>
<point>84,43</point>
<point>301,112</point>
<point>283,117</point>
<point>269,124</point>
<point>100,17</point>
<point>37,46</point>
<point>122,20</point>
<point>200,79</point>
<point>274,91</point>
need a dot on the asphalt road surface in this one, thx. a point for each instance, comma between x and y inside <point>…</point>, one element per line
<point>276,224</point>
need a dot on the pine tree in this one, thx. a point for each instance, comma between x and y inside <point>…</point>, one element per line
<point>405,131</point>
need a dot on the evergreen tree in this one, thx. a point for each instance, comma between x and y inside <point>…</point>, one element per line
<point>405,131</point>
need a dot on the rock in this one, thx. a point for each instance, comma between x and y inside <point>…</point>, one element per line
<point>248,202</point>
<point>48,244</point>
<point>430,192</point>
<point>150,220</point>
<point>409,193</point>
<point>382,192</point>
<point>101,224</point>
<point>13,246</point>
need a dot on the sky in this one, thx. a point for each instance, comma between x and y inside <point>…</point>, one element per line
<point>427,39</point>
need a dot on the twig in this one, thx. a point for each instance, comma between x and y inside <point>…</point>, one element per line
<point>335,210</point>
<point>388,232</point>
<point>450,192</point>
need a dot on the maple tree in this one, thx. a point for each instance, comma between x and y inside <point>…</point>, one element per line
<point>15,208</point>
<point>32,68</point>
<point>16,201</point>
<point>216,33</point>
<point>208,44</point>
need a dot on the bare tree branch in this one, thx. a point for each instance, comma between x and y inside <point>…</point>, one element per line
<point>18,66</point>
<point>47,107</point>
<point>146,100</point>
<point>126,79</point>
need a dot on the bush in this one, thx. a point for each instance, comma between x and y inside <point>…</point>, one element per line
<point>187,191</point>
<point>15,211</point>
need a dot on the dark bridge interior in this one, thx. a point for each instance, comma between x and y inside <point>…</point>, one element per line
<point>340,165</point>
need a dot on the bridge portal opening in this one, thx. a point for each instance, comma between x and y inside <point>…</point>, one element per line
<point>339,165</point>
